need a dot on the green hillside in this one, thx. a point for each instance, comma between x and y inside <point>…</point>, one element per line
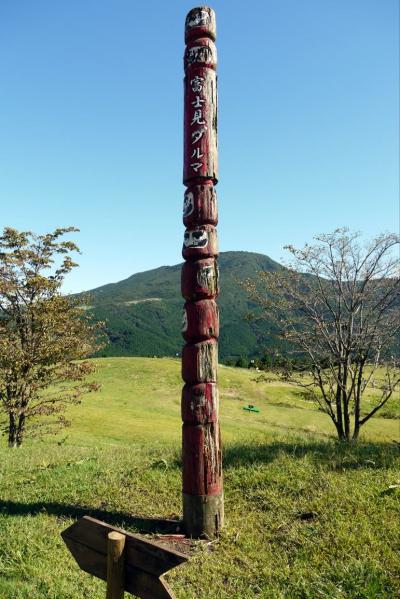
<point>306,517</point>
<point>143,312</point>
<point>140,401</point>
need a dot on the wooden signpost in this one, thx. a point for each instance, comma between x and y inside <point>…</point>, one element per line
<point>125,561</point>
<point>203,508</point>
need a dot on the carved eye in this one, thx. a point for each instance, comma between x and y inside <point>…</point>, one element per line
<point>198,234</point>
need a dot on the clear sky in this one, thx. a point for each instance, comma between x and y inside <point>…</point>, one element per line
<point>91,104</point>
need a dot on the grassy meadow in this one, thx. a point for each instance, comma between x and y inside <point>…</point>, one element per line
<point>305,516</point>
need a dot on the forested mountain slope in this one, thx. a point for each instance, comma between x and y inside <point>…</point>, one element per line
<point>143,313</point>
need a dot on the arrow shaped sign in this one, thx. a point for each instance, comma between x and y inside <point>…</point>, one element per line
<point>145,561</point>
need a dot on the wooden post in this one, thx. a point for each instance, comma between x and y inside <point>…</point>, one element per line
<point>115,566</point>
<point>203,508</point>
<point>122,559</point>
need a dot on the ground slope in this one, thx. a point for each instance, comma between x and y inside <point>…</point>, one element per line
<point>305,517</point>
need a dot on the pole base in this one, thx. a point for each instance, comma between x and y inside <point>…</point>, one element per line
<point>203,515</point>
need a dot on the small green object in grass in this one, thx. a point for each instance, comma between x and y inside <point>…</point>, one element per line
<point>251,408</point>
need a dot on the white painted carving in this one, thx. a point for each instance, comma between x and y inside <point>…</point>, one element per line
<point>184,321</point>
<point>207,277</point>
<point>211,451</point>
<point>188,203</point>
<point>196,166</point>
<point>207,361</point>
<point>197,83</point>
<point>198,118</point>
<point>200,54</point>
<point>197,103</point>
<point>215,399</point>
<point>198,18</point>
<point>198,238</point>
<point>197,153</point>
<point>198,134</point>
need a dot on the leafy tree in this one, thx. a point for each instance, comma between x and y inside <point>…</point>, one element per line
<point>44,335</point>
<point>241,362</point>
<point>337,304</point>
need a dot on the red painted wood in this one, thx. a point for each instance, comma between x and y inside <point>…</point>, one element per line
<point>200,403</point>
<point>199,279</point>
<point>202,470</point>
<point>200,22</point>
<point>200,362</point>
<point>200,242</point>
<point>201,446</point>
<point>200,320</point>
<point>200,156</point>
<point>200,205</point>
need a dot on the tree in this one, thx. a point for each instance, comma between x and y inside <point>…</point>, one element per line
<point>337,305</point>
<point>44,336</point>
<point>241,362</point>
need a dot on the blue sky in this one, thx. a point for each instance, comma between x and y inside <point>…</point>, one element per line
<point>91,124</point>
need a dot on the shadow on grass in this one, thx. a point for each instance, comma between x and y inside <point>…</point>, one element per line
<point>119,519</point>
<point>333,455</point>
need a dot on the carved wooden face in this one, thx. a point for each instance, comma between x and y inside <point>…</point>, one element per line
<point>202,52</point>
<point>197,17</point>
<point>195,239</point>
<point>188,203</point>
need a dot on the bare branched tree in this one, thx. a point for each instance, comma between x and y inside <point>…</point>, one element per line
<point>337,304</point>
<point>44,335</point>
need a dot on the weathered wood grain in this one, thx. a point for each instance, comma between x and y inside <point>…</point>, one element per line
<point>200,362</point>
<point>200,320</point>
<point>115,565</point>
<point>201,459</point>
<point>200,279</point>
<point>200,403</point>
<point>204,514</point>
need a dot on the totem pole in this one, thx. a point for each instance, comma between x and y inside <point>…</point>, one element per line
<point>203,507</point>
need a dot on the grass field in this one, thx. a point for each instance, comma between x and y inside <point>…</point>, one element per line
<point>305,517</point>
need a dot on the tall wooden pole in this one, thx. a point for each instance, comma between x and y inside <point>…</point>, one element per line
<point>203,507</point>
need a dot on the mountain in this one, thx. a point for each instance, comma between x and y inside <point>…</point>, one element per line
<point>143,313</point>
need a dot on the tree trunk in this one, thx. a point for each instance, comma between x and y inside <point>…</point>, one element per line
<point>357,407</point>
<point>20,430</point>
<point>340,431</point>
<point>339,413</point>
<point>12,431</point>
<point>347,431</point>
<point>345,404</point>
<point>356,431</point>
